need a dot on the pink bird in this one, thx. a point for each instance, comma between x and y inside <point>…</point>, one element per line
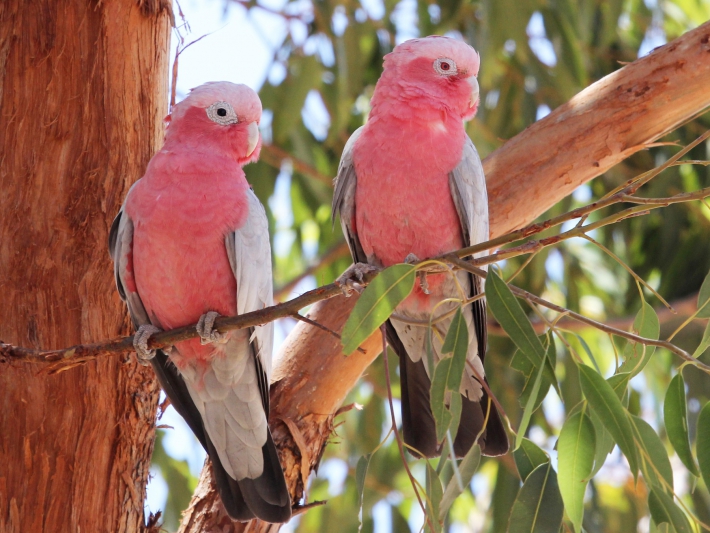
<point>190,243</point>
<point>410,185</point>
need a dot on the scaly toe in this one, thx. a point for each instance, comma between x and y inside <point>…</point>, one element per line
<point>206,331</point>
<point>140,343</point>
<point>349,279</point>
<point>411,259</point>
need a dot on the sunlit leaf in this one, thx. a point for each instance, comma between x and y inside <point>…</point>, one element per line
<point>467,468</point>
<point>360,475</point>
<point>376,304</point>
<point>575,453</point>
<point>676,420</point>
<point>664,509</point>
<point>637,355</point>
<point>538,507</point>
<point>529,406</point>
<point>653,456</point>
<point>704,343</point>
<point>704,298</point>
<point>510,316</point>
<point>528,456</point>
<point>434,493</point>
<point>603,400</point>
<point>703,438</point>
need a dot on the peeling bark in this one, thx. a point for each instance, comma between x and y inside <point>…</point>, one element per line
<point>598,128</point>
<point>83,89</point>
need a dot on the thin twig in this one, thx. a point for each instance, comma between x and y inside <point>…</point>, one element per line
<point>313,323</point>
<point>598,325</point>
<point>329,257</point>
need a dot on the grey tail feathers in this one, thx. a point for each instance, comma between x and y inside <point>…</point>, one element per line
<point>265,497</point>
<point>418,424</point>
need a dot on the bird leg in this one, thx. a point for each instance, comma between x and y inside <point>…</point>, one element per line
<point>351,279</point>
<point>206,331</point>
<point>140,343</point>
<point>412,259</point>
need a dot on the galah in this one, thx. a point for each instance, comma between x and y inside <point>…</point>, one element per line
<point>190,243</point>
<point>410,186</point>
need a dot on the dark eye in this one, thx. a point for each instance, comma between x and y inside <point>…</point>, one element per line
<point>445,66</point>
<point>222,112</point>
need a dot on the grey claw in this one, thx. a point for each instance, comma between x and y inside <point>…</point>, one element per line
<point>411,259</point>
<point>206,331</point>
<point>140,343</point>
<point>348,280</point>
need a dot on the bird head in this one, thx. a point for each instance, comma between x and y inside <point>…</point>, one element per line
<point>222,115</point>
<point>436,69</point>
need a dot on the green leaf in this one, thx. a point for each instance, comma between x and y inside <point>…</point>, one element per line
<point>442,416</point>
<point>704,343</point>
<point>376,304</point>
<point>538,507</point>
<point>529,407</point>
<point>360,475</point>
<point>703,298</point>
<point>657,462</point>
<point>664,509</point>
<point>637,355</point>
<point>575,452</point>
<point>456,342</point>
<point>467,468</point>
<point>702,439</point>
<point>527,367</point>
<point>510,316</point>
<point>528,456</point>
<point>604,443</point>
<point>435,493</point>
<point>603,400</point>
<point>619,382</point>
<point>676,419</point>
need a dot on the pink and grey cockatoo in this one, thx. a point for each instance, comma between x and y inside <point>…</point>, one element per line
<point>191,242</point>
<point>410,185</point>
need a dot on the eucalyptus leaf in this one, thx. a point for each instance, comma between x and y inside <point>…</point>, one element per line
<point>637,355</point>
<point>435,494</point>
<point>575,453</point>
<point>604,401</point>
<point>704,298</point>
<point>655,464</point>
<point>675,417</point>
<point>664,509</point>
<point>528,456</point>
<point>703,443</point>
<point>377,302</point>
<point>467,469</point>
<point>538,507</point>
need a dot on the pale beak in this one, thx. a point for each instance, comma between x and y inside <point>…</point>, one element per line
<point>473,82</point>
<point>253,131</point>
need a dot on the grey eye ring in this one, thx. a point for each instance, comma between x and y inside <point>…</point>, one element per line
<point>445,66</point>
<point>222,113</point>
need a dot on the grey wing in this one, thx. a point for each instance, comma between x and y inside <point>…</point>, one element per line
<point>344,198</point>
<point>120,243</point>
<point>468,190</point>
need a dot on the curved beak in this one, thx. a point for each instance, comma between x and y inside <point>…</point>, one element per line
<point>253,138</point>
<point>473,82</point>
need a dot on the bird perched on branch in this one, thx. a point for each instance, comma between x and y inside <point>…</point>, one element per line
<point>190,243</point>
<point>410,185</point>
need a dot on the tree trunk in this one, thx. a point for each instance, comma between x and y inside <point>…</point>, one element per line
<point>83,89</point>
<point>605,123</point>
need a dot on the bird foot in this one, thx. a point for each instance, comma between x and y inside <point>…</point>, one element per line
<point>351,279</point>
<point>411,259</point>
<point>206,331</point>
<point>140,343</point>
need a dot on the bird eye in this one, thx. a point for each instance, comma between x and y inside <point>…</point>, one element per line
<point>445,66</point>
<point>222,113</point>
